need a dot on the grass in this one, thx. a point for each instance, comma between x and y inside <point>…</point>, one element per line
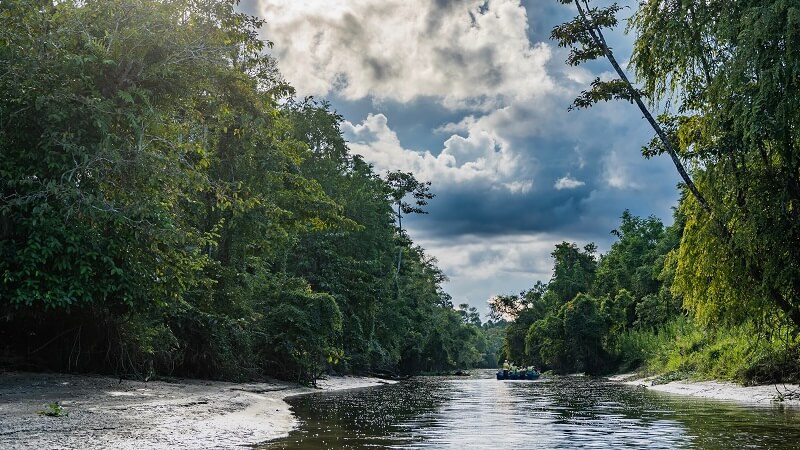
<point>54,410</point>
<point>680,349</point>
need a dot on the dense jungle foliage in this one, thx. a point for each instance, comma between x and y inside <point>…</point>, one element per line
<point>168,207</point>
<point>717,293</point>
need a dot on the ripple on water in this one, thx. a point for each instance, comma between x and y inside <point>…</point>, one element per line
<point>570,412</point>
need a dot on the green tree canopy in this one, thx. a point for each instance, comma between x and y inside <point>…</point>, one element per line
<point>733,69</point>
<point>167,203</point>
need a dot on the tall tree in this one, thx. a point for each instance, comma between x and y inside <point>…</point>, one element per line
<point>732,68</point>
<point>469,314</point>
<point>402,185</point>
<point>574,270</point>
<point>584,35</point>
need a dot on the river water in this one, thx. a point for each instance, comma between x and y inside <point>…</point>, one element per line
<point>566,412</point>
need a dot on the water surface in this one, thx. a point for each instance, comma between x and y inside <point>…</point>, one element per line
<point>555,413</point>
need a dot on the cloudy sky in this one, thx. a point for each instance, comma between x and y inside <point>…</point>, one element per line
<point>472,95</point>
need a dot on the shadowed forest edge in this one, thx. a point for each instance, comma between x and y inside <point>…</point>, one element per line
<point>168,207</point>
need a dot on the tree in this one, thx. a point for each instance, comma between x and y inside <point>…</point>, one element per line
<point>629,263</point>
<point>736,121</point>
<point>508,307</point>
<point>620,311</point>
<point>573,271</point>
<point>633,267</point>
<point>469,314</point>
<point>494,335</point>
<point>303,330</point>
<point>733,75</point>
<point>584,330</point>
<point>95,131</point>
<point>403,184</point>
<point>571,339</point>
<point>584,35</point>
<point>349,259</point>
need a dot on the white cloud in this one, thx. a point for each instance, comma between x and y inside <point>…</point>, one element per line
<point>479,157</point>
<point>568,182</point>
<point>513,130</point>
<point>467,55</point>
<point>480,267</point>
<point>462,54</point>
<point>624,169</point>
<point>484,257</point>
<point>520,187</point>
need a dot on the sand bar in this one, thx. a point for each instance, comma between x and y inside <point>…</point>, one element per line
<point>764,395</point>
<point>105,412</point>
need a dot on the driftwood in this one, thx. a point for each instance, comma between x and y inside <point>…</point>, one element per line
<point>387,375</point>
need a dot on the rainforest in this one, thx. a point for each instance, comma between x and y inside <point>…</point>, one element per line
<point>169,206</point>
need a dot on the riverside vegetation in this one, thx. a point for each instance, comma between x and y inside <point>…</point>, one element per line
<point>168,207</point>
<point>717,294</point>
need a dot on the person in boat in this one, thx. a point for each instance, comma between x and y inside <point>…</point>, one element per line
<point>514,371</point>
<point>506,368</point>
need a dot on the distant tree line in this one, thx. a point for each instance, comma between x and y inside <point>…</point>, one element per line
<point>168,207</point>
<point>571,323</point>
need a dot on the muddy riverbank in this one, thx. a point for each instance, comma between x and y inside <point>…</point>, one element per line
<point>104,412</point>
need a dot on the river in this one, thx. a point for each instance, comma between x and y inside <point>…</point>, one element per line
<point>551,413</point>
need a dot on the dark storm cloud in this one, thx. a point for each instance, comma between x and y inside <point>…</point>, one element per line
<point>596,149</point>
<point>588,211</point>
<point>442,9</point>
<point>581,213</point>
<point>458,60</point>
<point>495,212</point>
<point>380,69</point>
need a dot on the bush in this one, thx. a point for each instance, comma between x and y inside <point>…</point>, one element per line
<point>680,349</point>
<point>650,348</point>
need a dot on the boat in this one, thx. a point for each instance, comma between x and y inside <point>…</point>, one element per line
<point>517,374</point>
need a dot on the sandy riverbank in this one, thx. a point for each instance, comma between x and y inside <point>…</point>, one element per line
<point>765,395</point>
<point>105,412</point>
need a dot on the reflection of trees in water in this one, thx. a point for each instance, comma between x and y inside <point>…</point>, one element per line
<point>716,424</point>
<point>563,412</point>
<point>373,416</point>
<point>698,423</point>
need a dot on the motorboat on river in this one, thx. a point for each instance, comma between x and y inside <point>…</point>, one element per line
<point>519,374</point>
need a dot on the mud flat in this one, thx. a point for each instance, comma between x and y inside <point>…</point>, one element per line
<point>104,412</point>
<point>766,394</point>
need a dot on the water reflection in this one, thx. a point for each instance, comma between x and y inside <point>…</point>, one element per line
<point>480,412</point>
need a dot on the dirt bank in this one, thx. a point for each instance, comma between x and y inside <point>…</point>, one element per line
<point>107,412</point>
<point>767,394</point>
